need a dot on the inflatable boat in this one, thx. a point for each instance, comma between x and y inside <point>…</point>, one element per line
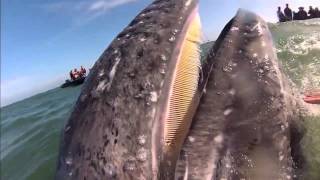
<point>75,82</point>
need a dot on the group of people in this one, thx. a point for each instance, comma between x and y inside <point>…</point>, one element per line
<point>289,15</point>
<point>75,74</point>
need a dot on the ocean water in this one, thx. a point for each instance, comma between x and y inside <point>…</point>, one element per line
<point>30,129</point>
<point>30,134</point>
<point>298,49</point>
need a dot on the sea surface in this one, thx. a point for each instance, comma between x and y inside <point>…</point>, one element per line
<point>30,129</point>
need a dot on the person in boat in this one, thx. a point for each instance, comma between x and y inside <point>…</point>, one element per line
<point>71,75</point>
<point>316,12</point>
<point>311,12</point>
<point>83,71</point>
<point>302,14</point>
<point>76,73</point>
<point>312,97</point>
<point>288,13</point>
<point>281,16</point>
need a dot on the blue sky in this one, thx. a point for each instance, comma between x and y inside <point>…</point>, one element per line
<point>41,40</point>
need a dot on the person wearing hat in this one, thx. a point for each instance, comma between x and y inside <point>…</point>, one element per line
<point>302,14</point>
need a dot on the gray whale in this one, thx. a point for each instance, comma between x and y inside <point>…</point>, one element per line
<point>135,109</point>
<point>136,106</point>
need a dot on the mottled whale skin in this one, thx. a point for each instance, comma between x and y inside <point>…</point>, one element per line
<point>245,126</point>
<point>111,132</point>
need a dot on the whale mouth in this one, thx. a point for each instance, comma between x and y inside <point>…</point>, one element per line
<point>184,85</point>
<point>134,122</point>
<point>180,97</point>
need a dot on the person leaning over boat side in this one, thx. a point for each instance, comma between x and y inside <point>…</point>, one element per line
<point>71,75</point>
<point>76,73</point>
<point>288,13</point>
<point>83,71</point>
<point>281,16</point>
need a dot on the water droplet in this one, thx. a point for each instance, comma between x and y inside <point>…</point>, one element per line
<point>70,173</point>
<point>172,38</point>
<point>234,29</point>
<point>163,57</point>
<point>67,128</point>
<point>68,160</point>
<point>102,85</point>
<point>227,69</point>
<point>218,138</point>
<point>110,171</point>
<point>191,139</point>
<point>266,68</point>
<point>260,71</point>
<point>142,140</point>
<point>254,55</point>
<point>143,39</point>
<point>129,165</point>
<point>83,97</point>
<point>101,73</point>
<point>153,96</point>
<point>188,3</point>
<point>227,112</point>
<point>117,59</point>
<point>139,96</point>
<point>142,155</point>
<point>281,157</point>
<point>232,92</point>
<point>132,74</point>
<point>228,165</point>
<point>163,68</point>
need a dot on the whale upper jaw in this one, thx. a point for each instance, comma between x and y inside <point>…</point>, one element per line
<point>245,120</point>
<point>117,129</point>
